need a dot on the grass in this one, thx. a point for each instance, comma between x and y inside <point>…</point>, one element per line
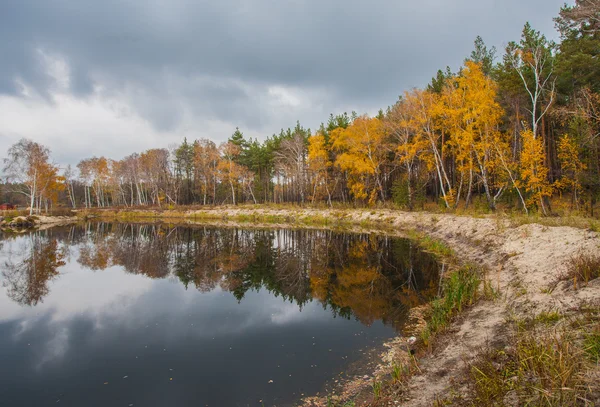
<point>544,318</point>
<point>489,292</point>
<point>331,403</point>
<point>548,317</point>
<point>377,385</point>
<point>543,362</point>
<point>432,245</point>
<point>460,289</point>
<point>591,345</point>
<point>399,372</point>
<point>576,221</point>
<point>540,368</point>
<point>504,216</point>
<point>582,268</point>
<point>8,218</point>
<point>589,323</point>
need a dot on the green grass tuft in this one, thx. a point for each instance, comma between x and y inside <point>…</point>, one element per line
<point>460,289</point>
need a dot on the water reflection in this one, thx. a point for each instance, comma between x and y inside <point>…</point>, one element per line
<point>26,280</point>
<point>366,276</point>
<point>89,304</point>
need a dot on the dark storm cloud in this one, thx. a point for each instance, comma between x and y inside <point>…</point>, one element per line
<point>213,58</point>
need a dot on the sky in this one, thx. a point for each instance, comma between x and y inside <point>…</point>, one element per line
<point>113,77</point>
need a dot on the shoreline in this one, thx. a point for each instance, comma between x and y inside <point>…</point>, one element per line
<point>22,223</point>
<point>522,266</point>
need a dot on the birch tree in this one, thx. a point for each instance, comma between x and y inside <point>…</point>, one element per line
<point>24,169</point>
<point>533,60</point>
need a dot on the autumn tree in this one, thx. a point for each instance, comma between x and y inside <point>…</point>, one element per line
<point>231,171</point>
<point>472,117</point>
<point>51,184</point>
<point>206,161</point>
<point>532,58</point>
<point>26,280</point>
<point>184,170</point>
<point>362,151</point>
<point>422,110</point>
<point>319,165</point>
<point>69,177</point>
<point>28,172</point>
<point>95,173</point>
<point>410,145</point>
<point>572,168</point>
<point>534,173</point>
<point>154,167</point>
<point>290,161</point>
<point>131,173</point>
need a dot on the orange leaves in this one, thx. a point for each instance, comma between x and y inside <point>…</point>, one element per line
<point>534,172</point>
<point>318,157</point>
<point>403,123</point>
<point>361,151</point>
<point>231,171</point>
<point>50,182</point>
<point>206,159</point>
<point>568,154</point>
<point>470,113</point>
<point>319,165</point>
<point>94,170</point>
<point>571,165</point>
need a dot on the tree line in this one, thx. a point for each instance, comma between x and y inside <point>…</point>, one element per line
<point>516,130</point>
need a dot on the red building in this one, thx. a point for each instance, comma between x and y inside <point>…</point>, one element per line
<point>7,206</point>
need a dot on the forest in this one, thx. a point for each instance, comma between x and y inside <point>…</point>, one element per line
<point>520,131</point>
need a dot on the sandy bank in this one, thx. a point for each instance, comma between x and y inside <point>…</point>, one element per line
<point>24,223</point>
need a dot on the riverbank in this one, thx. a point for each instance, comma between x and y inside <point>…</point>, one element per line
<point>21,223</point>
<point>529,335</point>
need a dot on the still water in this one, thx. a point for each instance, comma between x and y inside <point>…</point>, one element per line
<point>154,315</point>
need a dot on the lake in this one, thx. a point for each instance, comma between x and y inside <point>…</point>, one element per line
<point>103,314</point>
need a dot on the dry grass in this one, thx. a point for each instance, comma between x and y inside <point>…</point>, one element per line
<point>582,268</point>
<point>548,361</point>
<point>541,369</point>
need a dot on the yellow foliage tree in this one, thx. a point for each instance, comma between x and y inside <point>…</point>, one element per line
<point>572,167</point>
<point>534,172</point>
<point>318,166</point>
<point>411,145</point>
<point>470,113</point>
<point>50,184</point>
<point>362,149</point>
<point>421,111</point>
<point>230,170</point>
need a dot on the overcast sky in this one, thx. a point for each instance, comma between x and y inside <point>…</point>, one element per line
<point>113,77</point>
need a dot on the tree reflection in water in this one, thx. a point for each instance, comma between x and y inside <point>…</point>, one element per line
<point>366,276</point>
<point>26,279</point>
